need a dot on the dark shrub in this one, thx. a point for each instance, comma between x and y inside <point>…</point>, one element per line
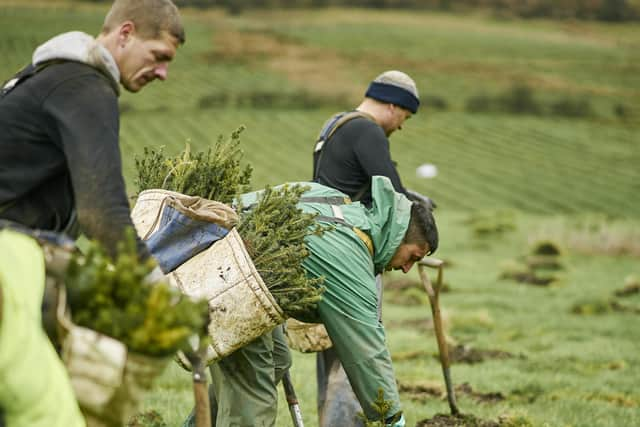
<point>520,100</point>
<point>479,104</point>
<point>435,102</point>
<point>214,100</point>
<point>621,111</point>
<point>572,108</point>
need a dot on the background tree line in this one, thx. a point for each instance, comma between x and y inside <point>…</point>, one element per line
<point>604,10</point>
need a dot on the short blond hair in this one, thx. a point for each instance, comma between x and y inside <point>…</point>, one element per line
<point>151,18</point>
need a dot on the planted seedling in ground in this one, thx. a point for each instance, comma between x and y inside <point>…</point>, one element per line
<point>381,407</point>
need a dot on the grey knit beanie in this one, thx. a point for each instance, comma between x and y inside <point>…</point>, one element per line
<point>395,87</point>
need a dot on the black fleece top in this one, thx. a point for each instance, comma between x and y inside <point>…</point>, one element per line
<point>59,150</point>
<point>358,150</point>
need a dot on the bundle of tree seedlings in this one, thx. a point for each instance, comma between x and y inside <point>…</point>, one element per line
<point>112,297</point>
<point>273,228</point>
<point>215,174</point>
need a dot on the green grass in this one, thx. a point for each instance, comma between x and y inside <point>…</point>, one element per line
<point>567,369</point>
<point>570,370</point>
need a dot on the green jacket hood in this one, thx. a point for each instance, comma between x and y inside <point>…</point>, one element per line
<point>389,217</point>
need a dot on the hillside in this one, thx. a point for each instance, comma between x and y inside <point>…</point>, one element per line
<point>282,73</point>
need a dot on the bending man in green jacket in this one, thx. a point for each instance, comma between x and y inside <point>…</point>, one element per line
<point>401,233</point>
<point>393,234</point>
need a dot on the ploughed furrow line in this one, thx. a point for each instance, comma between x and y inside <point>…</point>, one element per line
<point>598,181</point>
<point>580,187</point>
<point>542,177</point>
<point>573,153</point>
<point>515,182</point>
<point>486,184</point>
<point>606,143</point>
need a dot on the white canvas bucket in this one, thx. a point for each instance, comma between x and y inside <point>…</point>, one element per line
<point>108,380</point>
<point>241,308</point>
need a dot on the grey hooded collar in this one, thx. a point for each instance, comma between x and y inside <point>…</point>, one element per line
<point>80,47</point>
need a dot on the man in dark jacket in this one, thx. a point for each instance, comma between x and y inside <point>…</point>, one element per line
<point>60,164</point>
<point>352,148</point>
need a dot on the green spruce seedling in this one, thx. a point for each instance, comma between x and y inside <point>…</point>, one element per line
<point>111,296</point>
<point>273,230</point>
<point>381,407</point>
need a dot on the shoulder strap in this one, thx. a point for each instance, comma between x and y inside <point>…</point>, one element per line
<point>329,128</point>
<point>332,125</point>
<point>338,218</point>
<point>332,200</point>
<point>22,75</point>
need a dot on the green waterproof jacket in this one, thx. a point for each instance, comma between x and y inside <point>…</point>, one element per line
<point>385,222</point>
<point>35,390</point>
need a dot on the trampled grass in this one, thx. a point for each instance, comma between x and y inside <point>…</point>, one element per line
<point>567,369</point>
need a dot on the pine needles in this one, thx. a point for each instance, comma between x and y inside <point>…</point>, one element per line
<point>381,408</point>
<point>110,297</point>
<point>214,175</point>
<point>273,230</point>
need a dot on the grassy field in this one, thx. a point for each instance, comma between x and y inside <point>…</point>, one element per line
<point>565,354</point>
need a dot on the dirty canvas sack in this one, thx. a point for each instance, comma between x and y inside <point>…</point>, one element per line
<point>176,227</point>
<point>211,262</point>
<point>108,380</point>
<point>307,337</point>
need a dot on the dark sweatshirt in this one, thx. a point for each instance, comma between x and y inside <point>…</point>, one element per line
<point>59,152</point>
<point>358,150</point>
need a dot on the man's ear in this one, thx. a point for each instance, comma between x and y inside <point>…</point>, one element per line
<point>126,30</point>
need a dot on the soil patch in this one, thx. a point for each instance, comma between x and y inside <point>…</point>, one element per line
<point>290,57</point>
<point>462,353</point>
<point>427,391</point>
<point>151,418</point>
<point>460,420</point>
<point>631,289</point>
<point>459,353</point>
<point>622,308</point>
<point>602,306</point>
<point>528,278</point>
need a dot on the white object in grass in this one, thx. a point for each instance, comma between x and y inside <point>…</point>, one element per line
<point>427,170</point>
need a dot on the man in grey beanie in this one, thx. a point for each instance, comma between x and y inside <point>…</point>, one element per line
<point>351,148</point>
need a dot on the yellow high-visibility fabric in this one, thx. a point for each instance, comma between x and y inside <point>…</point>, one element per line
<point>34,387</point>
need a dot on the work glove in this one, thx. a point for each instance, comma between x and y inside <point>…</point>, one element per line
<point>414,196</point>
